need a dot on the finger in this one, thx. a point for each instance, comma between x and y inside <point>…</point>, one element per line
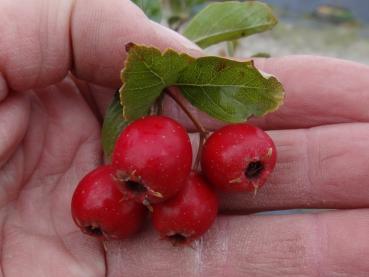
<point>296,245</point>
<point>321,167</point>
<point>14,114</point>
<point>109,28</point>
<point>318,91</point>
<point>42,40</point>
<point>35,45</point>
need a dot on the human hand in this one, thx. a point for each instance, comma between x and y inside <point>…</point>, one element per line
<point>50,139</point>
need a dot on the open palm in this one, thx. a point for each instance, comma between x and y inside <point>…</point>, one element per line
<point>50,138</point>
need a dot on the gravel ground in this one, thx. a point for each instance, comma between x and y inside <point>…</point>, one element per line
<point>308,37</point>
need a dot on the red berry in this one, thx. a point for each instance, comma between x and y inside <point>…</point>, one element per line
<point>189,214</point>
<point>99,210</point>
<point>154,156</point>
<point>238,157</point>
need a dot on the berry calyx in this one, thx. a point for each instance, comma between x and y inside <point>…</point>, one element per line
<point>153,156</point>
<point>189,214</point>
<point>238,157</point>
<point>99,209</point>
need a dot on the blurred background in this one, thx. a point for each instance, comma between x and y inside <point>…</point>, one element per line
<point>336,28</point>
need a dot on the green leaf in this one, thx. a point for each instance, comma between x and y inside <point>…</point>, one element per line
<point>152,8</point>
<point>229,21</point>
<point>147,73</point>
<point>228,90</point>
<point>112,126</point>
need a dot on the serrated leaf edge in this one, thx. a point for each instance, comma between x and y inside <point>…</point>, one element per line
<point>250,63</point>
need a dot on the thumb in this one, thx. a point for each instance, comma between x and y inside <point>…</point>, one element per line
<point>87,37</point>
<point>101,31</point>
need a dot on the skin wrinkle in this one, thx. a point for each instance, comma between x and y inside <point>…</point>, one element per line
<point>15,113</point>
<point>319,244</point>
<point>308,158</point>
<point>51,26</point>
<point>54,115</point>
<point>32,152</point>
<point>87,91</point>
<point>10,179</point>
<point>39,52</point>
<point>42,45</point>
<point>99,94</point>
<point>3,88</point>
<point>4,214</point>
<point>347,246</point>
<point>255,250</point>
<point>71,63</point>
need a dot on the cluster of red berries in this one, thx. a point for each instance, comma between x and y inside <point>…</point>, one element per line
<point>151,171</point>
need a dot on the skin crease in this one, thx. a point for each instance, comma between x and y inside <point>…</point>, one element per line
<point>49,133</point>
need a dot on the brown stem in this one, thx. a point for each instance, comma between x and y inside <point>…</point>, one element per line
<point>203,137</point>
<point>200,128</point>
<point>180,103</point>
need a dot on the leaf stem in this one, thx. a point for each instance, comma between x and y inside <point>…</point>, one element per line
<point>203,133</point>
<point>180,103</point>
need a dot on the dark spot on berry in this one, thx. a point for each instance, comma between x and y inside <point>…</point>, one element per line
<point>177,238</point>
<point>254,169</point>
<point>136,187</point>
<point>93,231</point>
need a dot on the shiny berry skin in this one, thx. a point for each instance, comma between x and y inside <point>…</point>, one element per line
<point>189,214</point>
<point>238,157</point>
<point>99,210</point>
<point>154,157</point>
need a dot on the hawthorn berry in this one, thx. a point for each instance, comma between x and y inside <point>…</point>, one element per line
<point>99,210</point>
<point>238,157</point>
<point>154,158</point>
<point>189,214</point>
